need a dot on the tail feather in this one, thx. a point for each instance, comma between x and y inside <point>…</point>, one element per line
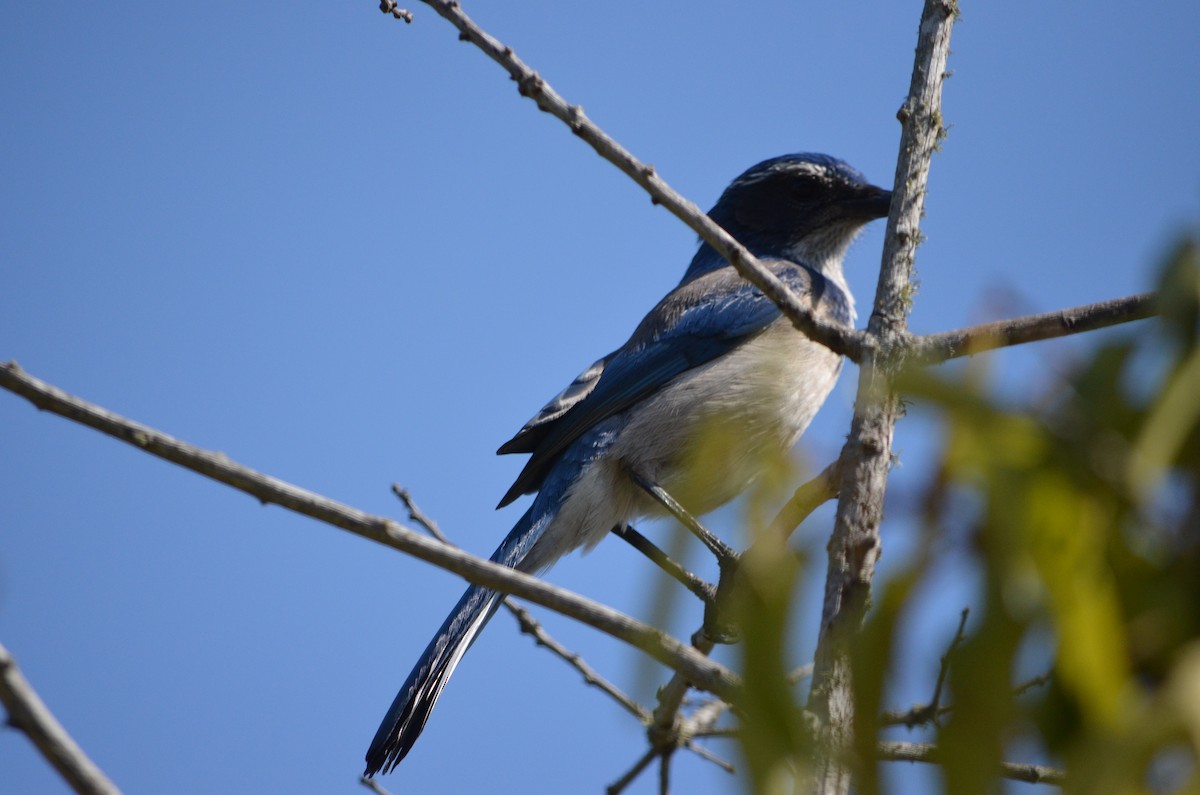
<point>406,717</point>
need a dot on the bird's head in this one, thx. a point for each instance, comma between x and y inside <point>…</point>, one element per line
<point>806,208</point>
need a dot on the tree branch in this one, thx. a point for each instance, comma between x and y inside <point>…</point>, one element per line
<point>928,713</point>
<point>807,498</point>
<point>922,752</point>
<point>848,342</point>
<point>665,729</point>
<point>703,672</point>
<point>935,348</point>
<point>530,626</point>
<point>28,713</point>
<point>618,786</point>
<point>373,785</point>
<point>866,457</point>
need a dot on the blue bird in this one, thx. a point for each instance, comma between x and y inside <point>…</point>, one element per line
<point>715,353</point>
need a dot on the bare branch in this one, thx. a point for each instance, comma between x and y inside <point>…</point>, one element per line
<point>1031,683</point>
<point>855,545</point>
<point>664,772</point>
<point>373,785</point>
<point>664,731</point>
<point>704,717</point>
<point>922,752</point>
<point>848,342</point>
<point>618,786</point>
<point>671,695</point>
<point>925,713</point>
<point>531,626</point>
<point>929,713</point>
<point>702,721</point>
<point>28,713</point>
<point>703,672</point>
<point>390,7</point>
<point>709,756</point>
<point>807,498</point>
<point>934,348</point>
<point>417,515</point>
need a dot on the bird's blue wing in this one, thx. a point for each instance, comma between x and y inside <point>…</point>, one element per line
<point>534,432</point>
<point>693,325</point>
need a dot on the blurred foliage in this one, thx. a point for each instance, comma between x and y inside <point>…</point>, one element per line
<point>1079,511</point>
<point>1082,513</point>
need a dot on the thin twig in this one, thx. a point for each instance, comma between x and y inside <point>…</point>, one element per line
<point>704,717</point>
<point>709,756</point>
<point>807,498</point>
<point>672,694</point>
<point>531,626</point>
<point>929,713</point>
<point>28,713</point>
<point>417,515</point>
<point>1031,683</point>
<point>702,720</point>
<point>703,672</point>
<point>664,731</point>
<point>704,590</point>
<point>892,751</point>
<point>618,786</point>
<point>866,457</point>
<point>390,7</point>
<point>934,348</point>
<point>664,772</point>
<point>373,785</point>
<point>846,341</point>
<point>912,717</point>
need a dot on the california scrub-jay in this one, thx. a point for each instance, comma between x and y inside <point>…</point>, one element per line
<point>714,354</point>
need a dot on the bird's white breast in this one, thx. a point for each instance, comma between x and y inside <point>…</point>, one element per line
<point>705,436</point>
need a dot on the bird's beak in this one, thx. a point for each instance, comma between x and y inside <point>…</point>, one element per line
<point>872,202</point>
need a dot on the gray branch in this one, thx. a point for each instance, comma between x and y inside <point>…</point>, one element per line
<point>807,498</point>
<point>851,343</point>
<point>855,545</point>
<point>929,713</point>
<point>922,752</point>
<point>935,348</point>
<point>703,672</point>
<point>618,786</point>
<point>28,713</point>
<point>848,342</point>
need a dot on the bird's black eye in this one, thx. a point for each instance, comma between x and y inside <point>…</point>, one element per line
<point>805,191</point>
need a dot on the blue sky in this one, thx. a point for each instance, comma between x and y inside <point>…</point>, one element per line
<point>343,251</point>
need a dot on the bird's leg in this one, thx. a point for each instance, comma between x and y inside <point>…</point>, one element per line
<point>726,556</point>
<point>716,626</point>
<point>705,590</point>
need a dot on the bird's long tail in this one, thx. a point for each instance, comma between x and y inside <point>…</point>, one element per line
<point>406,717</point>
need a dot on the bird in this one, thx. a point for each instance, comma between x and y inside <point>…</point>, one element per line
<point>713,355</point>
